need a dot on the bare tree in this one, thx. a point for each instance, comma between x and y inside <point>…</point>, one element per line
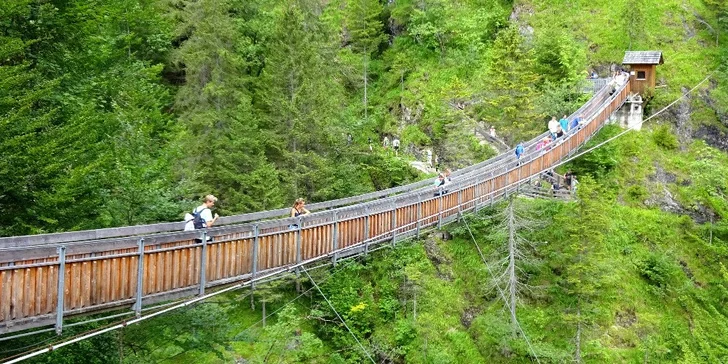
<point>514,254</point>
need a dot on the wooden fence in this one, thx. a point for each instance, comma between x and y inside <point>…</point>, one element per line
<point>95,274</point>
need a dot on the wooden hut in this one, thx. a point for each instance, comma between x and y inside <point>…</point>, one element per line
<point>642,66</point>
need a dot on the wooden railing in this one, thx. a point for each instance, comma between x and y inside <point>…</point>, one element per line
<point>96,273</point>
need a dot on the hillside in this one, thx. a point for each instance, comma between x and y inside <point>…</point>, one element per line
<point>635,270</point>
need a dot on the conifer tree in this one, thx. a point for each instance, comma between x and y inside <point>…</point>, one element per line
<point>221,140</point>
<point>26,118</point>
<point>514,251</point>
<point>366,35</point>
<point>586,275</point>
<point>299,98</point>
<point>509,82</point>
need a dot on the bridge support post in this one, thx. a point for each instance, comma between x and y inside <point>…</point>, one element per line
<point>460,201</point>
<point>394,223</point>
<point>255,253</point>
<point>140,279</point>
<point>61,288</point>
<point>335,239</point>
<point>419,216</point>
<point>439,211</point>
<point>366,230</point>
<point>298,255</point>
<point>492,190</point>
<point>505,188</point>
<point>476,194</point>
<point>203,263</point>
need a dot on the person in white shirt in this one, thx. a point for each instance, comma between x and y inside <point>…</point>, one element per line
<point>205,214</point>
<point>395,145</point>
<point>554,127</point>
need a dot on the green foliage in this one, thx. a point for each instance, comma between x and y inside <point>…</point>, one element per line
<point>664,138</point>
<point>510,80</point>
<point>559,58</point>
<point>657,270</point>
<point>601,161</point>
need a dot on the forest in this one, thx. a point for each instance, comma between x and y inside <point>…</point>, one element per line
<point>128,112</point>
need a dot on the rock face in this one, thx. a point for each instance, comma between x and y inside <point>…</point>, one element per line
<point>518,16</point>
<point>713,136</point>
<point>682,113</point>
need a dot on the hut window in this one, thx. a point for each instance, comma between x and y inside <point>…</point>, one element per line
<point>641,75</point>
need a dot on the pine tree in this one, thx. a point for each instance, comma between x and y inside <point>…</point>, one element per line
<point>366,35</point>
<point>27,119</point>
<point>586,275</point>
<point>299,99</point>
<point>222,141</point>
<point>509,82</point>
<point>514,252</point>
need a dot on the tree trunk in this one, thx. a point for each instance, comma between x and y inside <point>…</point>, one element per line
<point>577,355</point>
<point>512,279</point>
<point>366,65</point>
<point>414,307</point>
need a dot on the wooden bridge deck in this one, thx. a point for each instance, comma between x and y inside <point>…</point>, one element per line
<point>135,266</point>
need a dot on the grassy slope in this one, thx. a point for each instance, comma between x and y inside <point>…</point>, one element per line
<point>671,26</point>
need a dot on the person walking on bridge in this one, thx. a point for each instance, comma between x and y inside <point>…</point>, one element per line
<point>202,215</point>
<point>298,208</point>
<point>575,123</point>
<point>554,127</point>
<point>519,153</point>
<point>564,124</point>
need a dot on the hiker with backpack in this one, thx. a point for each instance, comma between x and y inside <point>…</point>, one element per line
<point>201,217</point>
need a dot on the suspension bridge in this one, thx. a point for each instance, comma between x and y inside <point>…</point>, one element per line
<point>45,279</point>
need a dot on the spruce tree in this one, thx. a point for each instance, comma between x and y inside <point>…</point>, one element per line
<point>510,92</point>
<point>365,30</point>
<point>300,99</point>
<point>221,141</point>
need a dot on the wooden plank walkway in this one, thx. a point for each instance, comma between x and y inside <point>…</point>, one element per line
<point>135,266</point>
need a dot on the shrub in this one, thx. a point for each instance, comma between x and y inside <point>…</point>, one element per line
<point>664,138</point>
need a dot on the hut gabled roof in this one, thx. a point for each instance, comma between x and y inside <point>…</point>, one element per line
<point>642,57</point>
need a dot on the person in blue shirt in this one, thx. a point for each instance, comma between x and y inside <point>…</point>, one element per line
<point>575,123</point>
<point>564,124</point>
<point>519,153</point>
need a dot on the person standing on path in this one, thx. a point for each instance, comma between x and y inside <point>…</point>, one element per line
<point>395,146</point>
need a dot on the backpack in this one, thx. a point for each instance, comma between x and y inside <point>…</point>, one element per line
<point>197,219</point>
